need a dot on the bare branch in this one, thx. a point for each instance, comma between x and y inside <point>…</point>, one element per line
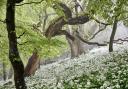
<point>90,43</point>
<point>119,41</point>
<point>66,10</point>
<point>100,30</point>
<point>23,43</point>
<point>29,3</point>
<point>100,21</point>
<point>77,4</point>
<point>21,35</point>
<point>124,40</point>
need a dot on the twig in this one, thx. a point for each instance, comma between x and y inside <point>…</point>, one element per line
<point>99,21</point>
<point>23,43</point>
<point>122,40</point>
<point>29,3</point>
<point>21,35</point>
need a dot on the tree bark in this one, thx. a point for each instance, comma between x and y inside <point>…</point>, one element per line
<point>113,35</point>
<point>4,71</point>
<point>75,46</point>
<point>14,56</point>
<point>32,65</point>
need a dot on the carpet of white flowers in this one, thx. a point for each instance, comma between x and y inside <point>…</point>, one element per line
<point>97,69</point>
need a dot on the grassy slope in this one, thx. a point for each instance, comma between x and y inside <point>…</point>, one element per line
<point>96,70</point>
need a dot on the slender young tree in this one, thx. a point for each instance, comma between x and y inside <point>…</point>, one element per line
<point>13,49</point>
<point>111,11</point>
<point>113,35</point>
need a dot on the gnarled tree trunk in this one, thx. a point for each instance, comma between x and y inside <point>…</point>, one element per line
<point>13,49</point>
<point>4,71</point>
<point>76,45</point>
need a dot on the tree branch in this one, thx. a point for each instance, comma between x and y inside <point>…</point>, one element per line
<point>21,35</point>
<point>23,43</point>
<point>89,43</point>
<point>100,30</point>
<point>57,25</point>
<point>29,3</point>
<point>100,22</point>
<point>66,33</point>
<point>78,20</point>
<point>66,10</point>
<point>122,40</point>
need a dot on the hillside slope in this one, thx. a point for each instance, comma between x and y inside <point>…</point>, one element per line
<point>97,69</point>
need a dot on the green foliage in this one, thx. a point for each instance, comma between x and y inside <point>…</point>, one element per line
<point>26,17</point>
<point>85,81</point>
<point>2,2</point>
<point>116,77</point>
<point>108,9</point>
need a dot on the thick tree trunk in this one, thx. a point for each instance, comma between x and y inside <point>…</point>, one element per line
<point>113,35</point>
<point>13,50</point>
<point>76,48</point>
<point>76,45</point>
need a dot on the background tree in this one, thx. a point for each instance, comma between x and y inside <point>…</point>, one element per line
<point>67,17</point>
<point>110,11</point>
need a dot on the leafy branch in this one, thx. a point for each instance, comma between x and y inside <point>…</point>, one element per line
<point>106,24</point>
<point>21,35</point>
